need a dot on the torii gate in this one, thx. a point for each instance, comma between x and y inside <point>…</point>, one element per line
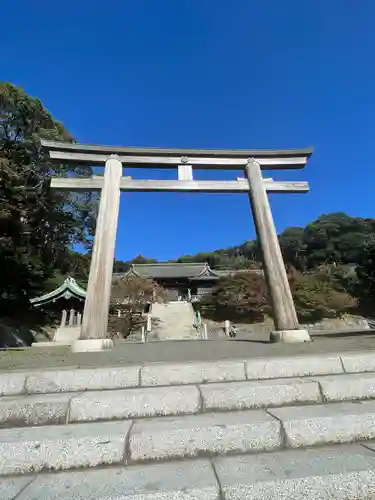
<point>95,317</point>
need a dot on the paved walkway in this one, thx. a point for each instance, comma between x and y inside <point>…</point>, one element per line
<point>169,351</point>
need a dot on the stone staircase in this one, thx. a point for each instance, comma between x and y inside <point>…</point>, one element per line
<point>283,428</point>
<point>173,320</point>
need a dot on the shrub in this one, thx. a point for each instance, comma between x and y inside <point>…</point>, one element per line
<point>320,294</point>
<point>129,298</point>
<point>241,297</point>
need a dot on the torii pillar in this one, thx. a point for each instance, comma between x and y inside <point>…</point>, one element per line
<point>95,315</point>
<point>284,312</point>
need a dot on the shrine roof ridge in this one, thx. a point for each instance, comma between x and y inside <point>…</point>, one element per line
<point>69,289</point>
<point>171,270</point>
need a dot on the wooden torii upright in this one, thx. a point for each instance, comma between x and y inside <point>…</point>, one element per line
<point>95,318</point>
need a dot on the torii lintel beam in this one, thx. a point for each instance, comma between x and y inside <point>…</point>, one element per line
<point>224,159</point>
<point>127,184</point>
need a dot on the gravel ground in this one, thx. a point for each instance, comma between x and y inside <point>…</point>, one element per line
<point>124,353</point>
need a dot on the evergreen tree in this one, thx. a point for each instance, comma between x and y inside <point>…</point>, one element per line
<point>38,225</point>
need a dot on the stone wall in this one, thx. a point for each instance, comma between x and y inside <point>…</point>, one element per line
<point>14,334</point>
<point>346,323</point>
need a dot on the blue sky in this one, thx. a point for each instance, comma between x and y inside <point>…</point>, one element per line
<point>208,74</point>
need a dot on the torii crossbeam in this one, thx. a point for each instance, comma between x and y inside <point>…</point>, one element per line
<point>95,318</point>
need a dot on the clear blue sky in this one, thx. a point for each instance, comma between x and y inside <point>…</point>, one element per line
<point>208,74</point>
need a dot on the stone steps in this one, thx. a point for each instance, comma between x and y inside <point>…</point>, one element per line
<point>76,379</point>
<point>68,446</point>
<point>232,429</point>
<point>345,472</point>
<point>72,407</point>
<point>174,320</point>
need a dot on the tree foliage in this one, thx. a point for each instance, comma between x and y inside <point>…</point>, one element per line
<point>241,297</point>
<point>129,298</point>
<point>38,226</point>
<point>320,294</point>
<point>333,238</point>
<point>365,287</point>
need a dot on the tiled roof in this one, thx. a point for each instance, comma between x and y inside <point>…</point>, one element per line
<point>172,270</point>
<point>68,290</point>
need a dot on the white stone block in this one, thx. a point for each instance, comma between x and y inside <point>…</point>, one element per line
<point>347,387</point>
<point>51,344</point>
<point>359,362</point>
<point>327,424</point>
<point>292,366</point>
<point>192,373</point>
<point>256,394</point>
<point>169,481</point>
<point>215,433</point>
<point>34,410</point>
<point>10,487</point>
<point>147,402</point>
<point>82,379</point>
<point>290,336</point>
<point>12,384</point>
<point>91,345</point>
<point>33,449</point>
<point>67,334</point>
<point>334,473</point>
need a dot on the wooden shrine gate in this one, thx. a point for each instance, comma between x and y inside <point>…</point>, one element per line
<point>95,317</point>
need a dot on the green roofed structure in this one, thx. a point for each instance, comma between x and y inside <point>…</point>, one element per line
<point>69,290</point>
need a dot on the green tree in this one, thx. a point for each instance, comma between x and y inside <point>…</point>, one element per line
<point>336,238</point>
<point>293,247</point>
<point>241,297</point>
<point>320,294</point>
<point>366,277</point>
<point>140,259</point>
<point>130,296</point>
<point>38,226</point>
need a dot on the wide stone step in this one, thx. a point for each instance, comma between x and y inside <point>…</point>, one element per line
<point>258,394</point>
<point>223,433</point>
<point>42,409</point>
<point>332,473</point>
<point>33,449</point>
<point>29,449</point>
<point>55,447</point>
<point>62,408</point>
<point>330,423</point>
<point>209,434</point>
<point>86,379</point>
<point>345,472</point>
<point>160,374</point>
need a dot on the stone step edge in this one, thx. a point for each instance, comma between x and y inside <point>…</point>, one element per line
<point>176,438</point>
<point>61,408</point>
<point>161,402</point>
<point>166,374</point>
<point>333,471</point>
